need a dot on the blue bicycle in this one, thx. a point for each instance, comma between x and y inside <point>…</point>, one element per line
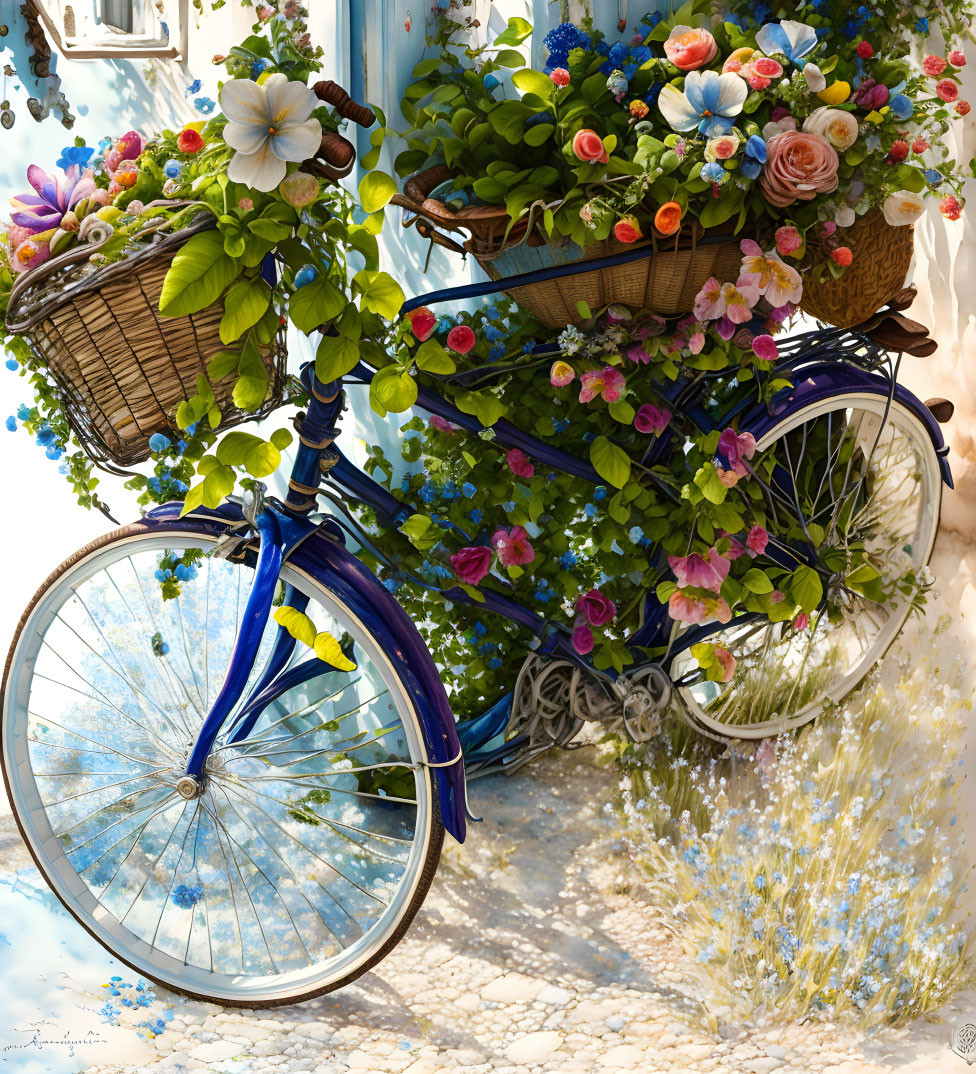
<point>204,794</point>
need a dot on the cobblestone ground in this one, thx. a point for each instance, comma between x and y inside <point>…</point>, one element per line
<point>535,951</point>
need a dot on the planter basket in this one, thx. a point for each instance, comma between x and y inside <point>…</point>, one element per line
<point>665,282</point>
<point>882,256</point>
<point>120,368</point>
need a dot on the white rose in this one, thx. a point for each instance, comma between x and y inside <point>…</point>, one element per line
<point>844,216</point>
<point>834,124</point>
<point>903,207</point>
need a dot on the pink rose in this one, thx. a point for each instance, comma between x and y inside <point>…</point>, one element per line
<point>767,67</point>
<point>788,239</point>
<point>422,323</point>
<point>756,541</point>
<point>726,661</point>
<point>799,166</point>
<point>460,339</point>
<point>471,564</point>
<point>957,58</point>
<point>652,419</point>
<point>947,89</point>
<point>519,464</point>
<point>933,66</point>
<point>442,424</point>
<point>513,546</point>
<point>702,572</point>
<point>583,639</point>
<point>588,146</point>
<point>736,448</point>
<point>597,608</point>
<point>560,76</point>
<point>764,347</point>
<point>690,48</point>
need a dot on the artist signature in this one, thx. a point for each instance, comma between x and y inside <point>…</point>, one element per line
<point>43,1034</point>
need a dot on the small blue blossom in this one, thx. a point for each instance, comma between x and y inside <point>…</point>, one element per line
<point>922,26</point>
<point>12,364</point>
<point>23,412</point>
<point>75,155</point>
<point>713,172</point>
<point>496,352</point>
<point>492,333</point>
<point>11,424</point>
<point>490,82</point>
<point>567,560</point>
<point>305,275</point>
<point>158,442</point>
<point>600,492</point>
<point>590,510</point>
<point>205,105</point>
<point>194,87</point>
<point>468,490</point>
<point>494,663</point>
<point>476,515</point>
<point>528,348</point>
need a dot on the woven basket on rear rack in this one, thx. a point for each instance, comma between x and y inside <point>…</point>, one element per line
<point>120,368</point>
<point>666,282</point>
<point>882,256</point>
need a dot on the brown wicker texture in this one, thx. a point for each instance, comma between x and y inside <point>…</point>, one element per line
<point>665,283</point>
<point>882,256</point>
<point>121,368</point>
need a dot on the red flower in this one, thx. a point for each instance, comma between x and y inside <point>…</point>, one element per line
<point>189,141</point>
<point>560,76</point>
<point>519,464</point>
<point>919,145</point>
<point>626,229</point>
<point>460,339</point>
<point>950,208</point>
<point>957,58</point>
<point>947,89</point>
<point>865,50</point>
<point>933,66</point>
<point>471,564</point>
<point>898,151</point>
<point>962,108</point>
<point>422,323</point>
<point>842,255</point>
<point>588,145</point>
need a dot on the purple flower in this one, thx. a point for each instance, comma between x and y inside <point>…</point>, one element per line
<point>597,608</point>
<point>45,209</point>
<point>583,639</point>
<point>651,419</point>
<point>735,449</point>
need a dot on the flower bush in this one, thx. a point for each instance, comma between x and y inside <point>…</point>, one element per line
<point>819,877</point>
<point>716,119</point>
<point>284,245</point>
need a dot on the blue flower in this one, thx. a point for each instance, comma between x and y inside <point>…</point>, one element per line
<point>590,510</point>
<point>46,437</point>
<point>428,493</point>
<point>194,87</point>
<point>494,662</point>
<point>490,82</point>
<point>75,155</point>
<point>445,324</point>
<point>755,157</point>
<point>158,442</point>
<point>23,412</point>
<point>11,424</point>
<point>496,352</point>
<point>794,40</point>
<point>641,54</point>
<point>922,26</point>
<point>476,515</point>
<point>258,66</point>
<point>492,333</point>
<point>714,172</point>
<point>12,364</point>
<point>560,424</point>
<point>600,492</point>
<point>204,104</point>
<point>933,177</point>
<point>618,54</point>
<point>567,560</point>
<point>901,106</point>
<point>509,505</point>
<point>392,584</point>
<point>54,453</point>
<point>468,490</point>
<point>540,117</point>
<point>305,275</point>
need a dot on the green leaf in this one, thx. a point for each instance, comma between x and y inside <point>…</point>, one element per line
<point>610,462</point>
<point>421,531</point>
<point>297,624</point>
<point>806,588</point>
<point>529,81</point>
<point>221,365</point>
<point>244,305</point>
<point>316,303</point>
<point>707,480</point>
<point>252,380</point>
<point>381,293</point>
<point>509,57</point>
<point>432,358</point>
<point>327,649</point>
<point>375,190</point>
<point>198,276</point>
<point>486,408</point>
<point>393,390</point>
<point>335,356</point>
<point>538,133</point>
<point>270,230</point>
<point>516,32</point>
<point>281,438</point>
<point>621,411</point>
<point>473,593</point>
<point>756,581</point>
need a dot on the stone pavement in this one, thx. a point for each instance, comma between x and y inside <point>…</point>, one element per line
<point>536,951</point>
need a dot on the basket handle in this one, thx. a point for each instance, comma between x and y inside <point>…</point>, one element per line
<point>335,95</point>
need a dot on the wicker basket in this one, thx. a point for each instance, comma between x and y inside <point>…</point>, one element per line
<point>882,256</point>
<point>121,369</point>
<point>665,282</point>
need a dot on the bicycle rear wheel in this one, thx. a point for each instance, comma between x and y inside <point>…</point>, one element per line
<point>316,838</point>
<point>861,474</point>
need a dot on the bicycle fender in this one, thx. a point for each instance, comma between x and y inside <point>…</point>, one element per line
<point>331,563</point>
<point>825,380</point>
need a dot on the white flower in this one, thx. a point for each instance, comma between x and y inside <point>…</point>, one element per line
<point>814,78</point>
<point>771,129</point>
<point>268,126</point>
<point>844,216</point>
<point>903,207</point>
<point>834,124</point>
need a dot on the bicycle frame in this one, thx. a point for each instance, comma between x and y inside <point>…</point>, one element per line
<point>284,527</point>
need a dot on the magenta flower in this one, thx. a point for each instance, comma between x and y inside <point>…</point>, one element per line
<point>441,423</point>
<point>736,448</point>
<point>764,347</point>
<point>736,547</point>
<point>608,382</point>
<point>583,639</point>
<point>471,564</point>
<point>652,419</point>
<point>702,572</point>
<point>128,147</point>
<point>801,622</point>
<point>756,541</point>
<point>597,608</point>
<point>513,546</point>
<point>519,464</point>
<point>54,196</point>
<point>687,610</point>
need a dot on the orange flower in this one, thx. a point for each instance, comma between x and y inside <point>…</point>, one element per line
<point>588,146</point>
<point>668,218</point>
<point>638,109</point>
<point>189,141</point>
<point>626,229</point>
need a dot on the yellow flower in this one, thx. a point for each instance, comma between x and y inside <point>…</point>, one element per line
<point>874,117</point>
<point>836,93</point>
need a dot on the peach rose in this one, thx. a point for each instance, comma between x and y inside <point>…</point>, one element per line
<point>834,124</point>
<point>799,166</point>
<point>588,146</point>
<point>690,48</point>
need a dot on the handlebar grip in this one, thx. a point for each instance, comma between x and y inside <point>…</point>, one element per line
<point>335,95</point>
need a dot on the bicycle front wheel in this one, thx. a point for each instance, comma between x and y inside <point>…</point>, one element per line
<point>315,839</point>
<point>853,473</point>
